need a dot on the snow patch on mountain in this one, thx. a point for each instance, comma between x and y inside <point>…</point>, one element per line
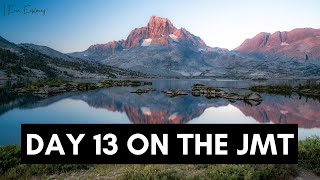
<point>174,37</point>
<point>146,42</point>
<point>284,44</point>
<point>146,111</point>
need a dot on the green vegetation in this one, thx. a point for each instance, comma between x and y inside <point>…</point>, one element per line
<point>309,154</point>
<point>213,92</point>
<point>310,89</point>
<point>21,65</point>
<point>198,85</point>
<point>309,85</point>
<point>27,64</point>
<point>56,86</point>
<point>10,167</point>
<point>213,89</point>
<point>309,158</point>
<point>111,82</point>
<point>274,89</point>
<point>56,82</point>
<point>209,172</point>
<point>49,83</point>
<point>10,157</point>
<point>141,91</point>
<point>247,95</point>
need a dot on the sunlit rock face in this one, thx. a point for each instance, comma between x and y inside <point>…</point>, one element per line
<point>161,49</point>
<point>298,44</point>
<point>158,31</point>
<point>161,31</point>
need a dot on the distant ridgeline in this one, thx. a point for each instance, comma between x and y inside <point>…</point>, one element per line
<point>38,62</point>
<point>159,49</point>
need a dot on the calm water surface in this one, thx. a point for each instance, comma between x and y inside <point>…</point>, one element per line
<point>118,105</point>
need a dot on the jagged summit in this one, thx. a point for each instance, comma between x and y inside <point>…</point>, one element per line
<point>158,26</point>
<point>158,31</point>
<point>161,31</point>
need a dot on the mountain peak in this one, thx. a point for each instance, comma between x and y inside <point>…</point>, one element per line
<point>158,27</point>
<point>158,19</point>
<point>155,20</point>
<point>158,31</point>
<point>161,31</point>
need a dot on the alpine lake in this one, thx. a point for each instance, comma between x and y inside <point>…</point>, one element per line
<point>118,105</point>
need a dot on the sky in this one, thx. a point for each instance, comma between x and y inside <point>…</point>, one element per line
<point>70,26</point>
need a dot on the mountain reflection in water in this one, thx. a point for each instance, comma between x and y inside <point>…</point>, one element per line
<point>118,105</point>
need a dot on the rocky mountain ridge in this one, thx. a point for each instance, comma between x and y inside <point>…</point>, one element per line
<point>298,44</point>
<point>47,51</point>
<point>158,31</point>
<point>162,49</point>
<point>30,61</point>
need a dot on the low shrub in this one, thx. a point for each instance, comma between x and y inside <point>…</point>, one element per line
<point>309,158</point>
<point>309,154</point>
<point>10,167</point>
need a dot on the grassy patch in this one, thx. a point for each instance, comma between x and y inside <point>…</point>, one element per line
<point>10,167</point>
<point>209,172</point>
<point>312,86</point>
<point>309,158</point>
<point>309,154</point>
<point>49,83</point>
<point>276,89</point>
<point>310,89</point>
<point>10,157</point>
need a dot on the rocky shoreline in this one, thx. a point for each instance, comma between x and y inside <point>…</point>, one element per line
<point>206,91</point>
<point>53,87</point>
<point>60,86</point>
<point>211,92</point>
<point>144,91</point>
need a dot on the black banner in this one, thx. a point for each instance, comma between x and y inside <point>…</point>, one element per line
<point>159,144</point>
